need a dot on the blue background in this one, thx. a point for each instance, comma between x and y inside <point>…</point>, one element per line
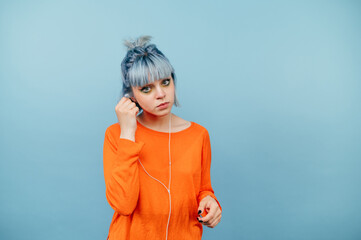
<point>276,83</point>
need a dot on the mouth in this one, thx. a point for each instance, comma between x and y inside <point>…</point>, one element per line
<point>163,104</point>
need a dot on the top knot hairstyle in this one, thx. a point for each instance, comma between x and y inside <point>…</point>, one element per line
<point>144,64</point>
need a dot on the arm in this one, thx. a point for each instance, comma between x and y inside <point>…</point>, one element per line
<point>206,186</point>
<point>207,200</point>
<point>121,173</point>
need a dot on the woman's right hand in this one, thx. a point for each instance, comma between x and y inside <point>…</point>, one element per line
<point>127,111</point>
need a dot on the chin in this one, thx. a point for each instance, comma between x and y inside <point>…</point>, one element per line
<point>159,113</point>
<point>164,113</point>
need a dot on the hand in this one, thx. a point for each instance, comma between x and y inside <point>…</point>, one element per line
<point>214,213</point>
<point>127,111</point>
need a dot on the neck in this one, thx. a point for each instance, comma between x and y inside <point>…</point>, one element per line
<point>155,122</point>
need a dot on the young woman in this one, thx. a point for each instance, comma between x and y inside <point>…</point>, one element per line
<point>156,164</point>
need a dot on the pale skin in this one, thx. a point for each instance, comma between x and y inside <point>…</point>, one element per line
<point>156,116</point>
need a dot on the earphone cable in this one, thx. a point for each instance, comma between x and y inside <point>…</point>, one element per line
<point>170,174</point>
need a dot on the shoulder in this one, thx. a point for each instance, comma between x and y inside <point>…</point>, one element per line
<point>113,130</point>
<point>198,127</point>
<point>182,124</point>
<point>199,132</point>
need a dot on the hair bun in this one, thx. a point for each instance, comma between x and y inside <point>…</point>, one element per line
<point>139,42</point>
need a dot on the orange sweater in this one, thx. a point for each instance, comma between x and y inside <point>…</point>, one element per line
<point>141,204</point>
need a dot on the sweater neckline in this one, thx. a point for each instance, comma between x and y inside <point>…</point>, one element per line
<point>164,133</point>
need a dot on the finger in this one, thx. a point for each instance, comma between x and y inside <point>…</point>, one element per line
<point>135,110</point>
<point>201,221</point>
<point>211,213</point>
<point>212,223</point>
<point>201,207</point>
<point>126,105</point>
<point>122,102</point>
<point>218,219</point>
<point>123,99</point>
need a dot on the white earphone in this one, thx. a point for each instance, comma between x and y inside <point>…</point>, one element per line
<point>170,169</point>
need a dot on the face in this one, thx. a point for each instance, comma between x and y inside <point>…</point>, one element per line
<point>156,98</point>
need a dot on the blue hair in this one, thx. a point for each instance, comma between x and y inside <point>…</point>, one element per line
<point>144,64</point>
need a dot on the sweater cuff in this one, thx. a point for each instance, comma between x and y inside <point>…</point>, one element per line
<point>126,147</point>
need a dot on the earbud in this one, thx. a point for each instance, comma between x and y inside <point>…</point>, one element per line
<point>127,95</point>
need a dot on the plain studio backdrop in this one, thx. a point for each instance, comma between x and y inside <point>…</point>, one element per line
<point>276,83</point>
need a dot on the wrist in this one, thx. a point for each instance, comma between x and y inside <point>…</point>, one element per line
<point>128,135</point>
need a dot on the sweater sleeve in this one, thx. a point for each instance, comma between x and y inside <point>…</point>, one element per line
<point>206,187</point>
<point>121,173</point>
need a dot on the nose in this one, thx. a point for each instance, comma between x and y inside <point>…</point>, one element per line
<point>160,93</point>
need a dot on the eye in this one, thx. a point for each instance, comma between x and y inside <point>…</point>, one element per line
<point>166,82</point>
<point>146,89</point>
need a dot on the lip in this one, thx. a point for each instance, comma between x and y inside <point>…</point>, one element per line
<point>163,105</point>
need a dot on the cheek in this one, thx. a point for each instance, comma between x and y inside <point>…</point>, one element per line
<point>144,101</point>
<point>172,92</point>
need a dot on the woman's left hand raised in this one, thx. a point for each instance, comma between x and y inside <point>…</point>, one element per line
<point>214,213</point>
